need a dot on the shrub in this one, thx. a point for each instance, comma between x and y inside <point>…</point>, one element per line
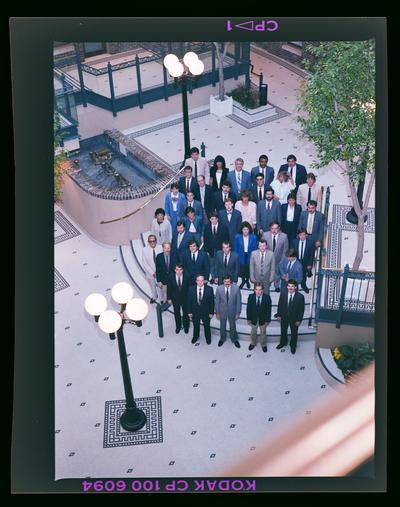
<point>247,98</point>
<point>352,359</point>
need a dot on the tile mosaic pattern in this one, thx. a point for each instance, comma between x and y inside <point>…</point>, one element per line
<point>60,282</point>
<point>63,228</point>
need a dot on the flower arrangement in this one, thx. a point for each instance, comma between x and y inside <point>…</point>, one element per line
<point>353,359</point>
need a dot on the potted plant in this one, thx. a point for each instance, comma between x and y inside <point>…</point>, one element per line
<point>248,98</point>
<point>353,359</point>
<point>221,104</point>
<point>61,162</point>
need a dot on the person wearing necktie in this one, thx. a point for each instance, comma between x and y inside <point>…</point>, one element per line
<point>239,178</point>
<point>310,191</point>
<point>201,308</point>
<point>290,313</point>
<point>258,314</point>
<point>214,235</point>
<point>198,164</point>
<point>195,262</point>
<point>262,266</point>
<point>149,255</point>
<point>165,264</point>
<point>264,169</point>
<point>290,268</point>
<point>228,305</point>
<point>226,263</point>
<point>305,251</point>
<point>177,292</point>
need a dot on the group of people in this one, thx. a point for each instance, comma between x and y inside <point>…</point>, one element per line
<point>218,226</point>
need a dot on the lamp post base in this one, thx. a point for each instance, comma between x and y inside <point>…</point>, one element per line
<point>352,217</point>
<point>133,419</point>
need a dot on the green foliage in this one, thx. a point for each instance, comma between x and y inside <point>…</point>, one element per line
<point>354,358</point>
<point>60,159</point>
<point>247,98</point>
<point>337,104</point>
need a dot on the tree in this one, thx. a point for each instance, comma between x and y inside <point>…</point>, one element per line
<point>338,99</point>
<point>60,159</point>
<point>221,53</point>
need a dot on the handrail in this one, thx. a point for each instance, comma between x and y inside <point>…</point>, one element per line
<point>147,202</point>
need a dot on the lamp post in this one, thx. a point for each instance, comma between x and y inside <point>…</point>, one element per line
<point>111,322</point>
<point>189,68</point>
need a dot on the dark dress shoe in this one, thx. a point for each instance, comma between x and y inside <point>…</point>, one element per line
<point>248,284</point>
<point>306,289</point>
<point>281,345</point>
<point>194,340</point>
<point>177,330</point>
<point>220,343</point>
<point>264,349</point>
<point>186,330</point>
<point>241,285</point>
<point>208,341</point>
<point>212,281</point>
<point>251,347</point>
<point>237,344</point>
<point>152,301</point>
<point>277,289</point>
<point>293,350</point>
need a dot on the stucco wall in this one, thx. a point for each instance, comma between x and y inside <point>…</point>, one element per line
<point>329,336</point>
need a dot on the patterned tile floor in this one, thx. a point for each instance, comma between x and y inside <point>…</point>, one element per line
<point>209,405</point>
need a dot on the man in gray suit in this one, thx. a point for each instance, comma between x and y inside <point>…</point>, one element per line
<point>313,222</point>
<point>226,263</point>
<point>268,211</point>
<point>228,305</point>
<point>278,243</point>
<point>262,266</point>
<point>266,170</point>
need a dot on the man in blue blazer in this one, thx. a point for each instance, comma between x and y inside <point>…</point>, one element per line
<point>297,171</point>
<point>268,211</point>
<point>222,195</point>
<point>239,179</point>
<point>180,240</point>
<point>313,222</point>
<point>196,205</point>
<point>187,183</point>
<point>201,308</point>
<point>195,262</point>
<point>232,218</point>
<point>305,251</point>
<point>266,170</point>
<point>290,269</point>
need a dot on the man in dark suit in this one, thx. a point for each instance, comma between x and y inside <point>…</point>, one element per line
<point>201,308</point>
<point>258,314</point>
<point>305,251</point>
<point>205,195</point>
<point>214,235</point>
<point>290,313</point>
<point>268,211</point>
<point>165,264</point>
<point>313,222</point>
<point>195,262</point>
<point>258,189</point>
<point>177,295</point>
<point>297,171</point>
<point>222,195</point>
<point>226,263</point>
<point>232,218</point>
<point>187,183</point>
<point>180,240</point>
<point>266,170</point>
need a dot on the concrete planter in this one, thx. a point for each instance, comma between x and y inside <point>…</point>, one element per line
<point>252,115</point>
<point>221,108</point>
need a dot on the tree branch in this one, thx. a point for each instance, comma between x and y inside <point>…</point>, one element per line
<point>369,191</point>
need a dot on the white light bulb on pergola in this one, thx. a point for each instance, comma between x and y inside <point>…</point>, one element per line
<point>176,69</point>
<point>196,68</point>
<point>110,321</point>
<point>122,292</point>
<point>170,59</point>
<point>190,58</point>
<point>95,304</point>
<point>136,309</point>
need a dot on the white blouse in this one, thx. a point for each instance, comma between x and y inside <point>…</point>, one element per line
<point>290,213</point>
<point>248,212</point>
<point>282,190</point>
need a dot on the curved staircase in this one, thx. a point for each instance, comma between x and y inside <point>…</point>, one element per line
<point>131,258</point>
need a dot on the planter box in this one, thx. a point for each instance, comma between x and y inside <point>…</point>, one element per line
<point>221,108</point>
<point>252,115</point>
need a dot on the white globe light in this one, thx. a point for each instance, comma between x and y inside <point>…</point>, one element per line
<point>95,304</point>
<point>137,309</point>
<point>122,292</point>
<point>196,68</point>
<point>176,70</point>
<point>170,59</point>
<point>190,58</point>
<point>110,321</point>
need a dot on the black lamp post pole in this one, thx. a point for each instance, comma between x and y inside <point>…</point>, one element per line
<point>352,215</point>
<point>185,109</point>
<point>133,419</point>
